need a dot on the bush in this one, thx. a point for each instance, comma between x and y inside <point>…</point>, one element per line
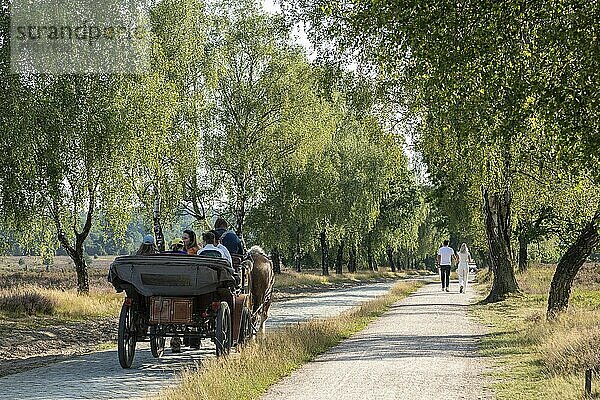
<point>28,302</point>
<point>574,352</point>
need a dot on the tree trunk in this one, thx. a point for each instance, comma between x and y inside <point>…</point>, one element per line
<point>324,253</point>
<point>339,259</point>
<point>496,208</point>
<point>240,218</point>
<point>522,253</point>
<point>158,232</point>
<point>352,258</point>
<point>77,252</point>
<point>370,260</point>
<point>390,256</point>
<point>568,266</point>
<point>83,284</point>
<point>276,260</point>
<point>297,256</point>
<point>77,255</point>
<point>399,260</point>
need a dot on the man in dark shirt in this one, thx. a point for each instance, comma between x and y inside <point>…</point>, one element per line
<point>228,238</point>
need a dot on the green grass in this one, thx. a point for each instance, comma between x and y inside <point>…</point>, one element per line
<point>248,374</point>
<point>535,358</point>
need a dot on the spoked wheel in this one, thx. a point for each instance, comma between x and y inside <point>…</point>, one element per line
<point>245,327</point>
<point>126,337</point>
<point>223,329</point>
<point>157,343</point>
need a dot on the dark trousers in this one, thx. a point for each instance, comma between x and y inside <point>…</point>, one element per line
<point>445,275</point>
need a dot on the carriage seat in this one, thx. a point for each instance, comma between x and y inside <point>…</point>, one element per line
<point>236,260</point>
<point>242,270</point>
<point>210,253</point>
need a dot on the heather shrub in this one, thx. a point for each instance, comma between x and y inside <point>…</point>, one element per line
<point>27,302</point>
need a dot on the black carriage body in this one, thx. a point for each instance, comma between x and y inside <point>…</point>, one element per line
<point>168,274</point>
<point>177,295</point>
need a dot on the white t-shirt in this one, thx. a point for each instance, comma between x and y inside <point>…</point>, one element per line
<point>226,253</point>
<point>220,248</point>
<point>446,254</point>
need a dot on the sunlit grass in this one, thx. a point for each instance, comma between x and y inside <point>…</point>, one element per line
<point>98,303</point>
<point>247,375</point>
<point>536,358</point>
<point>291,278</point>
<point>67,304</point>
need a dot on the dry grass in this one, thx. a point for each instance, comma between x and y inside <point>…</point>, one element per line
<point>61,263</point>
<point>28,302</point>
<point>19,289</point>
<point>55,278</point>
<point>24,282</point>
<point>67,304</point>
<point>248,374</point>
<point>289,278</point>
<point>539,359</point>
<point>97,304</point>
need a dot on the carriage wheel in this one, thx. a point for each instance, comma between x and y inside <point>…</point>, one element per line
<point>126,337</point>
<point>245,326</point>
<point>223,329</point>
<point>157,343</point>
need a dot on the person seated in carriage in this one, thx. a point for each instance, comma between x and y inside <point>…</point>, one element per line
<point>228,237</point>
<point>147,247</point>
<point>177,246</point>
<point>212,248</point>
<point>190,244</point>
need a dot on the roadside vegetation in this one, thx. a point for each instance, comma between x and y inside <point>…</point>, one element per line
<point>248,374</point>
<point>315,279</point>
<point>66,305</point>
<point>537,358</point>
<point>52,294</point>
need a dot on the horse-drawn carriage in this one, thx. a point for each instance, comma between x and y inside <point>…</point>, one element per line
<point>189,297</point>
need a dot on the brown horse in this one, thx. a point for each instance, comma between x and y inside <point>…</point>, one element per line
<point>261,285</point>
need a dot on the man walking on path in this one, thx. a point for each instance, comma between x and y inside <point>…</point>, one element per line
<point>445,256</point>
<point>423,348</point>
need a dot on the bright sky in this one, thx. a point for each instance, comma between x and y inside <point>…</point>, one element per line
<point>298,33</point>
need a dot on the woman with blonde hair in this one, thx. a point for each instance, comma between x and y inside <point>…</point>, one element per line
<point>464,258</point>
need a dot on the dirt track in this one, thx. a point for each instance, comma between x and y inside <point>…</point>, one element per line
<point>425,347</point>
<point>99,376</point>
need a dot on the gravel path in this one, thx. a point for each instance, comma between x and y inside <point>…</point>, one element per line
<point>99,376</point>
<point>425,347</point>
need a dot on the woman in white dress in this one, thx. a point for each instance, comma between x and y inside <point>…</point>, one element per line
<point>464,258</point>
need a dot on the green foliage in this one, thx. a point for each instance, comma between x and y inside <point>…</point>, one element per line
<point>502,96</point>
<point>349,178</point>
<point>232,120</point>
<point>263,95</point>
